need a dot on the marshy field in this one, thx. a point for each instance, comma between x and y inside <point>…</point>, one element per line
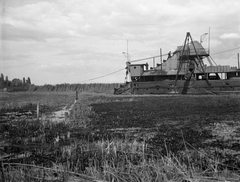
<point>104,137</point>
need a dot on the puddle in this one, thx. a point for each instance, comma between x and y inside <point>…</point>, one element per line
<point>57,116</point>
<point>62,115</point>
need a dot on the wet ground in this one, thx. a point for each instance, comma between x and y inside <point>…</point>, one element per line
<point>209,123</point>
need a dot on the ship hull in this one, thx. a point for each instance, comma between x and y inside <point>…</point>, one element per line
<point>195,87</point>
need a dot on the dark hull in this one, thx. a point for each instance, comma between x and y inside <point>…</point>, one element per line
<point>195,87</point>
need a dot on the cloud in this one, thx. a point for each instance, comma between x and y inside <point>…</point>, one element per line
<point>15,4</point>
<point>10,32</point>
<point>86,38</point>
<point>230,36</point>
<point>16,57</point>
<point>40,22</point>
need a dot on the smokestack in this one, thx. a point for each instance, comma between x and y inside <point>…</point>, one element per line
<point>146,66</point>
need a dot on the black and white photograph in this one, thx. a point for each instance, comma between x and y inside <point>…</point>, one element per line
<point>119,90</point>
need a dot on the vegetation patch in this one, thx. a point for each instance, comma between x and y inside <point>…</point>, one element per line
<point>123,138</point>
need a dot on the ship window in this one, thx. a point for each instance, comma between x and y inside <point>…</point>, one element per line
<point>201,77</point>
<point>213,76</point>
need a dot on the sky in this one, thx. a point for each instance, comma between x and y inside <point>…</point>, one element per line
<point>72,41</point>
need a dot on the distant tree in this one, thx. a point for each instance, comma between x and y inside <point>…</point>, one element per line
<point>28,81</point>
<point>16,82</point>
<point>24,80</point>
<point>6,81</point>
<point>2,77</point>
<point>2,84</point>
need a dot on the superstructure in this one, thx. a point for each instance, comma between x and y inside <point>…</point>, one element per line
<point>184,71</point>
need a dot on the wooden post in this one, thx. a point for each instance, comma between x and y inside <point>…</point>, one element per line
<point>38,111</point>
<point>77,95</point>
<point>66,116</point>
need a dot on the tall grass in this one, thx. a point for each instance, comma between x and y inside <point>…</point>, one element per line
<point>115,161</point>
<point>46,151</point>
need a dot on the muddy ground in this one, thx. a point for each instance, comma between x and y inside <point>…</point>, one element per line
<point>189,125</point>
<point>174,123</point>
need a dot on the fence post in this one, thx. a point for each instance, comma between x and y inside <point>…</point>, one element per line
<point>77,95</point>
<point>37,110</point>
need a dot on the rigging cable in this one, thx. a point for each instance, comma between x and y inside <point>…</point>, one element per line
<point>102,75</point>
<point>226,51</point>
<point>222,52</point>
<point>147,59</point>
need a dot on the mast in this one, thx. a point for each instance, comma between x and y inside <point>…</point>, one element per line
<point>161,58</point>
<point>238,61</point>
<point>127,50</point>
<point>209,41</point>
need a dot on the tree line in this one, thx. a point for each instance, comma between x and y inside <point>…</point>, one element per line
<point>91,87</point>
<point>25,85</point>
<point>14,85</point>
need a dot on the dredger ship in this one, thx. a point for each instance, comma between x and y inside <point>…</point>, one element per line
<point>183,72</point>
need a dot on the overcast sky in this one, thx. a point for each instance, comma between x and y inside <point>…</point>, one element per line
<point>69,41</point>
